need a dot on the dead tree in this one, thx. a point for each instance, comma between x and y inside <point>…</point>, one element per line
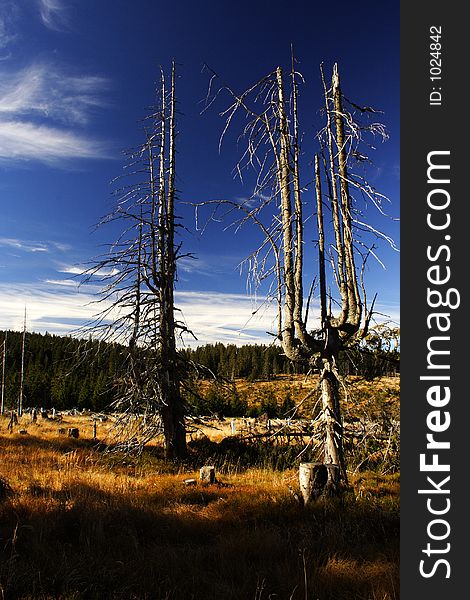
<point>277,206</point>
<point>4,357</point>
<point>21,394</point>
<point>139,273</point>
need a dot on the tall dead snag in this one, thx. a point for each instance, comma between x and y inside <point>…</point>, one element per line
<point>4,358</point>
<point>172,410</point>
<point>139,273</point>
<point>281,206</point>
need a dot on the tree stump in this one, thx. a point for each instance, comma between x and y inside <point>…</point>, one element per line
<point>207,474</point>
<point>312,479</point>
<point>5,489</point>
<point>73,432</point>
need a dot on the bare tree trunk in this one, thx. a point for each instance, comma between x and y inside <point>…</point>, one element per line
<point>321,246</point>
<point>173,405</point>
<point>333,436</point>
<point>276,126</point>
<point>143,285</point>
<point>4,357</point>
<point>286,217</point>
<point>354,300</point>
<point>335,211</point>
<point>20,397</point>
<point>299,222</point>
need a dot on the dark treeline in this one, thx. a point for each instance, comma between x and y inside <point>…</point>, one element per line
<point>59,371</point>
<point>253,361</point>
<point>258,361</point>
<point>64,372</point>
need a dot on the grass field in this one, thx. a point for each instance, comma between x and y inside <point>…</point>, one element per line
<point>78,523</point>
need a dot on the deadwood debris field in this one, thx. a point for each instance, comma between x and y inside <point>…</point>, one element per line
<point>79,522</point>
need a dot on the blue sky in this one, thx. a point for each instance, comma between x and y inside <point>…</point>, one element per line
<point>75,80</point>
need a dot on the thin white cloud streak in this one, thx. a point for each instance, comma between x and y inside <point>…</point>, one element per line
<point>228,318</point>
<point>44,89</point>
<point>59,307</point>
<point>53,14</point>
<point>71,270</point>
<point>48,306</point>
<point>33,246</point>
<point>75,270</point>
<point>27,141</point>
<point>8,13</point>
<point>25,245</point>
<point>5,37</point>
<point>46,92</point>
<point>62,282</point>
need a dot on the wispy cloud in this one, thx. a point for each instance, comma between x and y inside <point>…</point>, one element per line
<point>28,141</point>
<point>76,270</point>
<point>53,13</point>
<point>207,265</point>
<point>25,245</point>
<point>61,307</point>
<point>62,282</point>
<point>34,246</point>
<point>50,307</point>
<point>228,318</point>
<point>46,90</point>
<point>35,103</point>
<point>44,106</point>
<point>5,36</point>
<point>8,14</point>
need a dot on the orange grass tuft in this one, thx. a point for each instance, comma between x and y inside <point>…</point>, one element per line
<point>76,525</point>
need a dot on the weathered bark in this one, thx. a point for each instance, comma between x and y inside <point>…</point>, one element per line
<point>321,246</point>
<point>293,328</point>
<point>286,218</point>
<point>331,415</point>
<point>145,267</point>
<point>20,397</point>
<point>313,478</point>
<point>276,126</point>
<point>207,474</point>
<point>298,213</point>
<point>354,299</point>
<point>4,356</point>
<point>173,426</point>
<point>335,212</point>
<point>173,409</point>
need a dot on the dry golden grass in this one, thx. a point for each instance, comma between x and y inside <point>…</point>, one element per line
<point>80,525</point>
<point>358,395</point>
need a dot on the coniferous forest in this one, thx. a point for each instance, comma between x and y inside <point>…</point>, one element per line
<point>64,372</point>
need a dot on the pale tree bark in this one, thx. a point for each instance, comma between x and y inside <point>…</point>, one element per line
<point>284,173</point>
<point>173,405</point>
<point>282,255</point>
<point>140,288</point>
<point>354,300</point>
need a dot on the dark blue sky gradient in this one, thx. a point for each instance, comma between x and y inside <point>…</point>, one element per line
<point>123,43</point>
